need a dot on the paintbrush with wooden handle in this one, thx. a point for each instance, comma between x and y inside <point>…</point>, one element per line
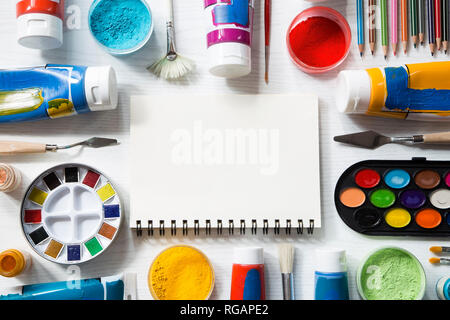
<point>17,147</point>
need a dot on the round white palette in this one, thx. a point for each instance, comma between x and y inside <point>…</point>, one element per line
<point>71,213</point>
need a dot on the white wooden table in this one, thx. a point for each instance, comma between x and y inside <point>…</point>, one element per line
<point>135,254</point>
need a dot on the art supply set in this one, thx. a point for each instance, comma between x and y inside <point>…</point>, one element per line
<point>412,24</point>
<point>71,213</point>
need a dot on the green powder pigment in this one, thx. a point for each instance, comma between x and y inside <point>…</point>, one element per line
<point>391,274</point>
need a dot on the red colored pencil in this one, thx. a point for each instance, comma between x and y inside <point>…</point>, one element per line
<point>437,23</point>
<point>267,9</point>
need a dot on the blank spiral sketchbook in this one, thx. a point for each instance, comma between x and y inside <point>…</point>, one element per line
<point>225,161</point>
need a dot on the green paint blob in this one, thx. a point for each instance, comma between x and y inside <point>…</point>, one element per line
<point>391,274</point>
<point>93,246</point>
<point>382,198</point>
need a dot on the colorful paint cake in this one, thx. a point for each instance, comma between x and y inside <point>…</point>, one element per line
<point>71,213</point>
<point>396,197</point>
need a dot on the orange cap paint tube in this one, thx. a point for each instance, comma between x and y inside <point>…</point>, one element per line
<point>13,262</point>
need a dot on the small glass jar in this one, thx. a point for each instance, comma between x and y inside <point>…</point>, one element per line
<point>14,262</point>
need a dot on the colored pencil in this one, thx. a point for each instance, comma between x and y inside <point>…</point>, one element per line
<point>394,25</point>
<point>267,13</point>
<point>445,25</point>
<point>413,21</point>
<point>431,26</point>
<point>360,17</point>
<point>421,20</point>
<point>404,20</point>
<point>372,32</point>
<point>384,27</point>
<point>437,23</point>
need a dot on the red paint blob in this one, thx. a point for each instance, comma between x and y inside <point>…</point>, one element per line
<point>367,178</point>
<point>318,42</point>
<point>91,179</point>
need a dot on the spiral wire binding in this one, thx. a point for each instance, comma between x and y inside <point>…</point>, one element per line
<point>242,227</point>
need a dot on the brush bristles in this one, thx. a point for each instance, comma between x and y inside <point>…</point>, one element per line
<point>172,69</point>
<point>436,249</point>
<point>434,260</point>
<point>286,252</point>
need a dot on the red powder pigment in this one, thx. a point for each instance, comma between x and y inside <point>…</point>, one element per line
<point>318,42</point>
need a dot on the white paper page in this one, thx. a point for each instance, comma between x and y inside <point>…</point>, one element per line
<point>230,157</point>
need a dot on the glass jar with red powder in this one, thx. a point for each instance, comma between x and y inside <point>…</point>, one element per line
<point>318,39</point>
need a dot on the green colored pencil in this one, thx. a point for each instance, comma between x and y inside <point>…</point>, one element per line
<point>384,27</point>
<point>414,23</point>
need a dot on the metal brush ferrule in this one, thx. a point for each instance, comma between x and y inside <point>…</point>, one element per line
<point>288,286</point>
<point>51,147</point>
<point>171,49</point>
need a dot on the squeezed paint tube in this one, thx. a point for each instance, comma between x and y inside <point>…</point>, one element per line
<point>118,287</point>
<point>414,91</point>
<point>55,91</point>
<point>247,279</point>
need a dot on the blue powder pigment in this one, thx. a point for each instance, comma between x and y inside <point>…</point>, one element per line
<point>120,24</point>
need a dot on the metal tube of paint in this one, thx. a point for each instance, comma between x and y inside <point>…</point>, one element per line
<point>55,91</point>
<point>414,91</point>
<point>40,23</point>
<point>443,288</point>
<point>247,278</point>
<point>229,36</point>
<point>331,282</point>
<point>119,287</point>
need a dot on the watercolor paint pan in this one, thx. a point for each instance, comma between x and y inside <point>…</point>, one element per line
<point>71,214</point>
<point>396,197</point>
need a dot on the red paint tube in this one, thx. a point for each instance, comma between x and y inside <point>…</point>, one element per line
<point>247,279</point>
<point>40,23</point>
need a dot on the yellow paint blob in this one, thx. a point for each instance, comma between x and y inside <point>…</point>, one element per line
<point>106,192</point>
<point>181,273</point>
<point>38,196</point>
<point>398,218</point>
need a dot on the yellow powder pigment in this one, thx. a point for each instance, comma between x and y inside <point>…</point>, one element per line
<point>181,273</point>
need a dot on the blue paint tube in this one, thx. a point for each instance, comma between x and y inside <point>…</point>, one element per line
<point>331,281</point>
<point>119,287</point>
<point>55,91</point>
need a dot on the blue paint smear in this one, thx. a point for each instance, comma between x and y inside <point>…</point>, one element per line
<point>252,286</point>
<point>236,12</point>
<point>401,97</point>
<point>331,286</point>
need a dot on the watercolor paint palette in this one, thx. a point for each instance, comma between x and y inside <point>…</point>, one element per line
<point>71,213</point>
<point>396,198</point>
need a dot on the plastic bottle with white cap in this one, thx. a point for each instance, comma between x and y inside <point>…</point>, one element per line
<point>229,37</point>
<point>40,23</point>
<point>331,281</point>
<point>55,91</point>
<point>247,278</point>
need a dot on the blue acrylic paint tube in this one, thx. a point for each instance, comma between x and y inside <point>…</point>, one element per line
<point>247,278</point>
<point>331,282</point>
<point>55,91</point>
<point>418,91</point>
<point>443,288</point>
<point>119,287</point>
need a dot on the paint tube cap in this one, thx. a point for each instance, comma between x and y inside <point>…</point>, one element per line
<point>353,91</point>
<point>253,255</point>
<point>100,86</point>
<point>229,60</point>
<point>39,31</point>
<point>330,260</point>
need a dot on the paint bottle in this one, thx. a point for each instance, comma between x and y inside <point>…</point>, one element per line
<point>247,278</point>
<point>40,23</point>
<point>443,288</point>
<point>415,91</point>
<point>119,287</point>
<point>10,178</point>
<point>14,262</point>
<point>331,281</point>
<point>55,91</point>
<point>229,37</point>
